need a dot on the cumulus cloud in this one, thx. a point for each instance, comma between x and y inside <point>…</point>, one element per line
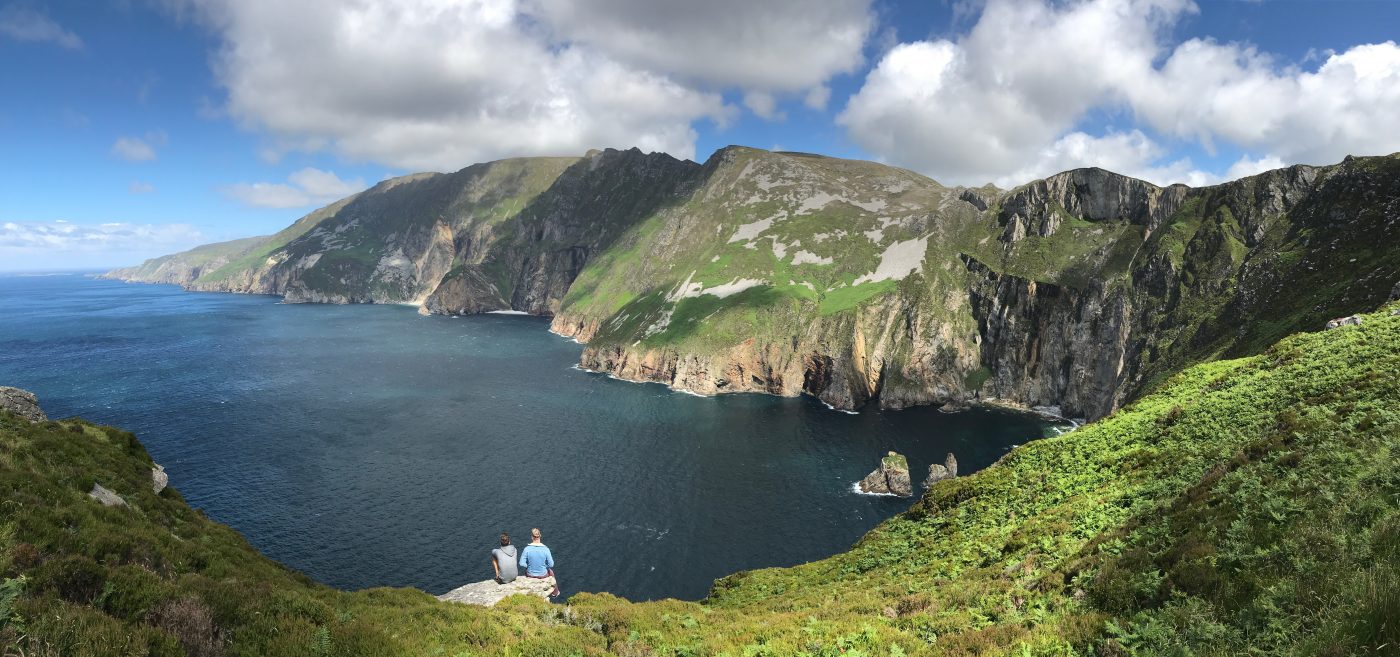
<point>22,23</point>
<point>776,45</point>
<point>61,244</point>
<point>1003,102</point>
<point>438,84</point>
<point>303,188</point>
<point>138,149</point>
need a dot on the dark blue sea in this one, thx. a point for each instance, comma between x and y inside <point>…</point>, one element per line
<point>371,446</point>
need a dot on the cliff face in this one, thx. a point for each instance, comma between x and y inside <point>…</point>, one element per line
<point>510,234</point>
<point>851,282</point>
<point>185,268</point>
<point>788,273</point>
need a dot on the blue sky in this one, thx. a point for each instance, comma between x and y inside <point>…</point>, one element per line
<point>137,128</point>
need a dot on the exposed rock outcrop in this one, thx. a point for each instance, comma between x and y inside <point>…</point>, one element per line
<point>22,403</point>
<point>105,496</point>
<point>488,593</point>
<point>1351,320</point>
<point>947,470</point>
<point>891,478</point>
<point>159,480</point>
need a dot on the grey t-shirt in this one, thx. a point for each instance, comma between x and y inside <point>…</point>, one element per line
<point>505,560</point>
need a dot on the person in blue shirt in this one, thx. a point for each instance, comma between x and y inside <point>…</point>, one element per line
<point>538,561</point>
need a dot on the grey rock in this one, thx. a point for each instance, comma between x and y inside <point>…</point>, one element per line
<point>1395,291</point>
<point>105,496</point>
<point>159,480</point>
<point>1353,320</point>
<point>947,470</point>
<point>891,478</point>
<point>22,403</point>
<point>488,593</point>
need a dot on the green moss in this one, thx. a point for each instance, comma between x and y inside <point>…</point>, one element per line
<point>846,298</point>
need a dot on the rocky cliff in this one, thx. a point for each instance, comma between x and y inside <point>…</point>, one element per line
<point>791,273</point>
<point>852,282</point>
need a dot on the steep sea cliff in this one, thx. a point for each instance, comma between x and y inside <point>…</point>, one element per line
<point>790,273</point>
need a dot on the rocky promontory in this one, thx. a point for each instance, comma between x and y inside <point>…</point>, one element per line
<point>891,478</point>
<point>487,593</point>
<point>22,403</point>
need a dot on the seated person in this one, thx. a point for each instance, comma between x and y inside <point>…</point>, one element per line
<point>503,560</point>
<point>537,560</point>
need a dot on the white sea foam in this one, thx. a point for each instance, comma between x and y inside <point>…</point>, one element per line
<point>855,488</point>
<point>838,410</point>
<point>506,312</point>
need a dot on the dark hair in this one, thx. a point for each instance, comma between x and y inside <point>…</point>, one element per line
<point>505,539</point>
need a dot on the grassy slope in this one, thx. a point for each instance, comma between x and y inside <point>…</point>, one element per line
<point>194,258</point>
<point>1250,505</point>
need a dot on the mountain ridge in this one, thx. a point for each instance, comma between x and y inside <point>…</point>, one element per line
<point>854,281</point>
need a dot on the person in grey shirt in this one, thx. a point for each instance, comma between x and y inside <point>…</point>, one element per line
<point>503,560</point>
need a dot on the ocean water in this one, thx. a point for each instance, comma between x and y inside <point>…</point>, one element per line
<point>371,446</point>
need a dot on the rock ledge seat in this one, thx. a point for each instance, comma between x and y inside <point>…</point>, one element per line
<point>487,593</point>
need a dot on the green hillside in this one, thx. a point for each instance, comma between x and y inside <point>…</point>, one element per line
<point>1247,506</point>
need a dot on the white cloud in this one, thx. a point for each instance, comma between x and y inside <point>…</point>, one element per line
<point>138,149</point>
<point>763,105</point>
<point>305,187</point>
<point>25,24</point>
<point>138,187</point>
<point>1004,102</point>
<point>776,45</point>
<point>60,244</point>
<point>439,84</point>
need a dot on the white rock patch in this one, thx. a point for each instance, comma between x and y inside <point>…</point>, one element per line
<point>733,287</point>
<point>899,260</point>
<point>751,230</point>
<point>779,249</point>
<point>809,258</point>
<point>689,289</point>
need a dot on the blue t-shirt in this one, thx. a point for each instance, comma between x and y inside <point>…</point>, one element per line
<point>536,560</point>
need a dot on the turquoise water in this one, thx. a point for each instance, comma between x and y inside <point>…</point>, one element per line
<point>371,446</point>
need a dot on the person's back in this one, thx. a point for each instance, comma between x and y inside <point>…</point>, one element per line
<point>503,560</point>
<point>537,560</point>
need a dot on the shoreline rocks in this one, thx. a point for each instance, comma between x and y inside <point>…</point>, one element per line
<point>487,593</point>
<point>22,403</point>
<point>891,478</point>
<point>947,470</point>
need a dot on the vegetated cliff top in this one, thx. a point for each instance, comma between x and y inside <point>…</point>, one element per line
<point>1246,505</point>
<point>854,281</point>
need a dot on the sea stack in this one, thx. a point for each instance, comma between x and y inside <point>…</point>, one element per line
<point>937,473</point>
<point>891,478</point>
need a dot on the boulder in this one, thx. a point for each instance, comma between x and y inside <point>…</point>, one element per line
<point>937,473</point>
<point>488,593</point>
<point>22,403</point>
<point>159,480</point>
<point>891,478</point>
<point>1353,320</point>
<point>106,497</point>
<point>1395,291</point>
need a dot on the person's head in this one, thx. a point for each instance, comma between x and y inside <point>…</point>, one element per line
<point>505,539</point>
<point>535,535</point>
